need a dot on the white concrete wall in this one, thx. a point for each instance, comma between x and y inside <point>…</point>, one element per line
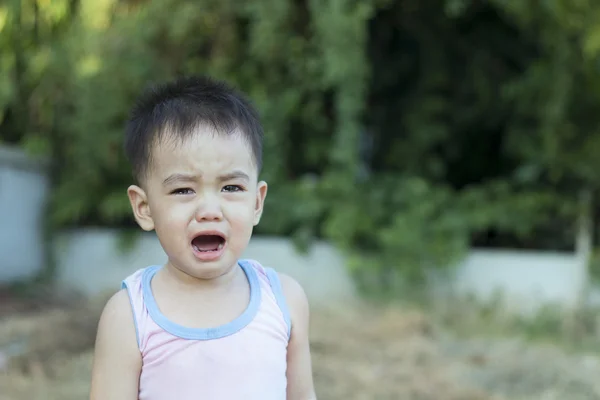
<point>525,279</point>
<point>23,192</point>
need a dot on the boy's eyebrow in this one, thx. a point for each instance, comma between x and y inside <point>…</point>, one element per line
<point>178,178</point>
<point>237,174</point>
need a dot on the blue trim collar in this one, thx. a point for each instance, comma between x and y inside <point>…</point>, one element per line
<point>203,333</point>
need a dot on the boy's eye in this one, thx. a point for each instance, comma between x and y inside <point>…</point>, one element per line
<point>232,188</point>
<point>182,191</point>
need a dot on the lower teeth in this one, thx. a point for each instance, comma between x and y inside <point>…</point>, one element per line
<point>206,251</point>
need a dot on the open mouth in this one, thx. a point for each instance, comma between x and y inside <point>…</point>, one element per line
<point>207,243</point>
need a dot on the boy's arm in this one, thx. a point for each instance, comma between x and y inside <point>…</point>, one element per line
<point>299,369</point>
<point>117,359</point>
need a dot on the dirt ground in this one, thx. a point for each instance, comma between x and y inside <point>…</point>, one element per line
<point>362,352</point>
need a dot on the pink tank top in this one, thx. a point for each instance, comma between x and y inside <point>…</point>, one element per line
<point>243,359</point>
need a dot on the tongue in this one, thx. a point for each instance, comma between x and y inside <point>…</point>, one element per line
<point>207,242</point>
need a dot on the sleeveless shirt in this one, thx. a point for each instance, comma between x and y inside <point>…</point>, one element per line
<point>243,359</point>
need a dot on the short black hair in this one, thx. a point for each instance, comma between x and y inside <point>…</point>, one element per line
<point>182,105</point>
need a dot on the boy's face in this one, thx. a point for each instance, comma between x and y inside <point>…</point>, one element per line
<point>203,198</point>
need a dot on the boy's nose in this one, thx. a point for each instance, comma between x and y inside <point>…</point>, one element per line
<point>209,210</point>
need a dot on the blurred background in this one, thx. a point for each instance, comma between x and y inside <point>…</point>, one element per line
<point>433,170</point>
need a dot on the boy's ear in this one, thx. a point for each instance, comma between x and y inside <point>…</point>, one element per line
<point>261,194</point>
<point>141,208</point>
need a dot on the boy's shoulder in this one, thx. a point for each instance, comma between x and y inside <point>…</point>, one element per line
<point>284,277</point>
<point>116,302</point>
<point>116,313</point>
<point>288,283</point>
<point>293,291</point>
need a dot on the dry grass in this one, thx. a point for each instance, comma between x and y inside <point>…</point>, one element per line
<point>360,353</point>
<point>383,354</point>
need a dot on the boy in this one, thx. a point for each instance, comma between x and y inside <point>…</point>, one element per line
<point>206,325</point>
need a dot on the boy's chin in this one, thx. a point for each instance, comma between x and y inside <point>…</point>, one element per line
<point>207,270</point>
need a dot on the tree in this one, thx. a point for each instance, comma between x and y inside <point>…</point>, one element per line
<point>403,131</point>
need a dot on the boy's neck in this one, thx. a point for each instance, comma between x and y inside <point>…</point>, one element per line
<point>185,282</point>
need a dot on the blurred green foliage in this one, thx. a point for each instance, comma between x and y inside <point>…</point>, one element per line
<point>402,130</point>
